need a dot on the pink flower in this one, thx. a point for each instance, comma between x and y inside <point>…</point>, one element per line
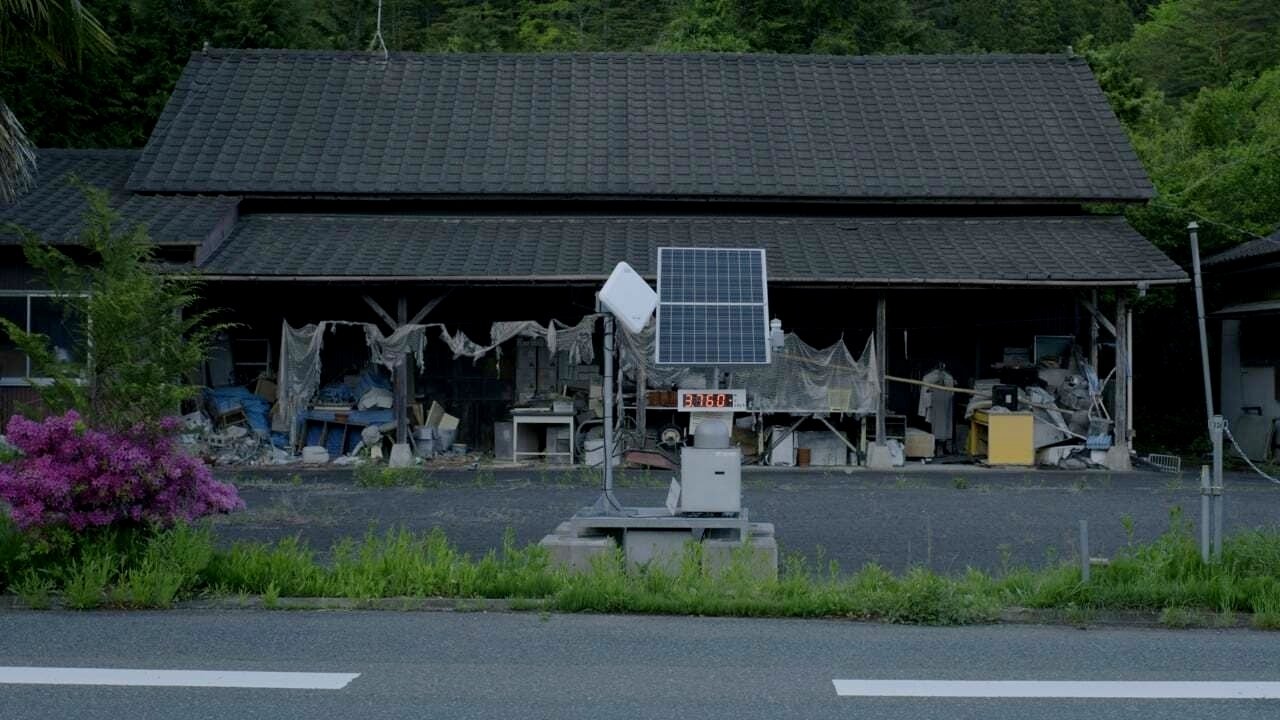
<point>71,475</point>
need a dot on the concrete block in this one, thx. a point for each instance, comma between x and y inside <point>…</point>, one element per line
<point>401,457</point>
<point>577,553</point>
<point>879,457</point>
<point>761,555</point>
<point>655,548</point>
<point>1117,458</point>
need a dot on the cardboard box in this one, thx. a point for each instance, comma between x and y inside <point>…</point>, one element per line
<point>919,444</point>
<point>265,389</point>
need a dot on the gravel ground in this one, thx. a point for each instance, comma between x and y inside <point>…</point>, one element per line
<point>946,518</point>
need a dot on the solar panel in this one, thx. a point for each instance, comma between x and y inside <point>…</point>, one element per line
<point>713,307</point>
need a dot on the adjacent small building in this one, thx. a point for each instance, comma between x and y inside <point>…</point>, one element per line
<point>1247,280</point>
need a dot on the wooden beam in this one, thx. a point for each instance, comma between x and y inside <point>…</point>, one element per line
<point>1121,417</point>
<point>1097,315</point>
<point>386,317</point>
<point>1093,335</point>
<point>401,397</point>
<point>881,358</point>
<point>426,309</point>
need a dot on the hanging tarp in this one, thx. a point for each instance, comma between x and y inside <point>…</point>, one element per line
<point>801,379</point>
<point>805,379</point>
<point>300,351</point>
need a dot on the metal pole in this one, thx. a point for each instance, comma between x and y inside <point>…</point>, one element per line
<point>1084,551</point>
<point>1192,227</point>
<point>1205,519</point>
<point>1216,425</point>
<point>607,504</point>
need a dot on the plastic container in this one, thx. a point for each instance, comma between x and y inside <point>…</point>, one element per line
<point>315,455</point>
<point>445,439</point>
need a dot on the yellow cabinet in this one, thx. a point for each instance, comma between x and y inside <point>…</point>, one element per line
<point>1005,438</point>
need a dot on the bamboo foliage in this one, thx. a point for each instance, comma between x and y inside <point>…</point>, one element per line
<point>63,31</point>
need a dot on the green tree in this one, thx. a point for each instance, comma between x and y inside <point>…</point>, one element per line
<point>705,26</point>
<point>1190,44</point>
<point>137,338</point>
<point>61,31</point>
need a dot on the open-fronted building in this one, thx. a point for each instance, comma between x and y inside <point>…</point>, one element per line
<point>939,204</point>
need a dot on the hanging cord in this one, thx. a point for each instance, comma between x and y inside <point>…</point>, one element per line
<point>377,41</point>
<point>1226,430</point>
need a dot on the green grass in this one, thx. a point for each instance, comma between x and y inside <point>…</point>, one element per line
<point>156,568</point>
<point>373,475</point>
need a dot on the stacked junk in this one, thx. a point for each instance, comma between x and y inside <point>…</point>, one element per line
<point>286,415</point>
<point>1049,412</point>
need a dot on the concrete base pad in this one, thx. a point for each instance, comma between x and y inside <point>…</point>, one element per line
<point>577,553</point>
<point>760,554</point>
<point>664,548</point>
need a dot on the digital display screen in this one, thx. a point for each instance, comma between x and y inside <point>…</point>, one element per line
<point>707,400</point>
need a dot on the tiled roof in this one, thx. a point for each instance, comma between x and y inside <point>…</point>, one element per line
<point>973,127</point>
<point>969,251</point>
<point>55,208</point>
<point>1257,247</point>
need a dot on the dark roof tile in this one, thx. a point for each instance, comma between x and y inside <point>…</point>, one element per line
<point>1025,127</point>
<point>55,208</point>
<point>1258,247</point>
<point>969,251</point>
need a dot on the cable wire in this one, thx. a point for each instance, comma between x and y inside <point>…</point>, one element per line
<point>1226,430</point>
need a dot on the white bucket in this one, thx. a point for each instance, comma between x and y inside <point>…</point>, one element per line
<point>593,453</point>
<point>445,438</point>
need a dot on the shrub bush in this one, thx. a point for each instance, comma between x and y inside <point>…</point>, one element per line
<point>78,478</point>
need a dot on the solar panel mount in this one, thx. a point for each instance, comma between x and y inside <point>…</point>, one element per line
<point>713,307</point>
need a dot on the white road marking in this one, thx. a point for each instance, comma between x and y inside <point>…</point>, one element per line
<point>1147,690</point>
<point>174,678</point>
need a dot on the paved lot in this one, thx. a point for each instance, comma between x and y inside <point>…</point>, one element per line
<point>478,665</point>
<point>945,518</point>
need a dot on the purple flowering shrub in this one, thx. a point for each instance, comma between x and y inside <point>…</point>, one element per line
<point>74,477</point>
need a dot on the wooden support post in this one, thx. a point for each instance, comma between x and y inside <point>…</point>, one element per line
<point>381,313</point>
<point>642,400</point>
<point>1097,315</point>
<point>882,357</point>
<point>1128,382</point>
<point>1122,375</point>
<point>1093,333</point>
<point>400,399</point>
<point>426,309</point>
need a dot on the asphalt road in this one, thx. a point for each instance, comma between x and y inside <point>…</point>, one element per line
<point>456,665</point>
<point>948,518</point>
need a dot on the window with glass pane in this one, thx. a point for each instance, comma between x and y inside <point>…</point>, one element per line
<point>48,317</point>
<point>13,362</point>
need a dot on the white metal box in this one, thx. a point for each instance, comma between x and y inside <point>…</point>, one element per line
<point>710,480</point>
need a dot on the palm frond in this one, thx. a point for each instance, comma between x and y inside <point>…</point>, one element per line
<point>17,156</point>
<point>60,30</point>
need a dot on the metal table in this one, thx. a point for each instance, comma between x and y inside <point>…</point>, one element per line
<point>544,419</point>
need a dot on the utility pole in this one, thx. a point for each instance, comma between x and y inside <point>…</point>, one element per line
<point>1217,425</point>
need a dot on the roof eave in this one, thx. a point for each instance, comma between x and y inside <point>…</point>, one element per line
<point>861,283</point>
